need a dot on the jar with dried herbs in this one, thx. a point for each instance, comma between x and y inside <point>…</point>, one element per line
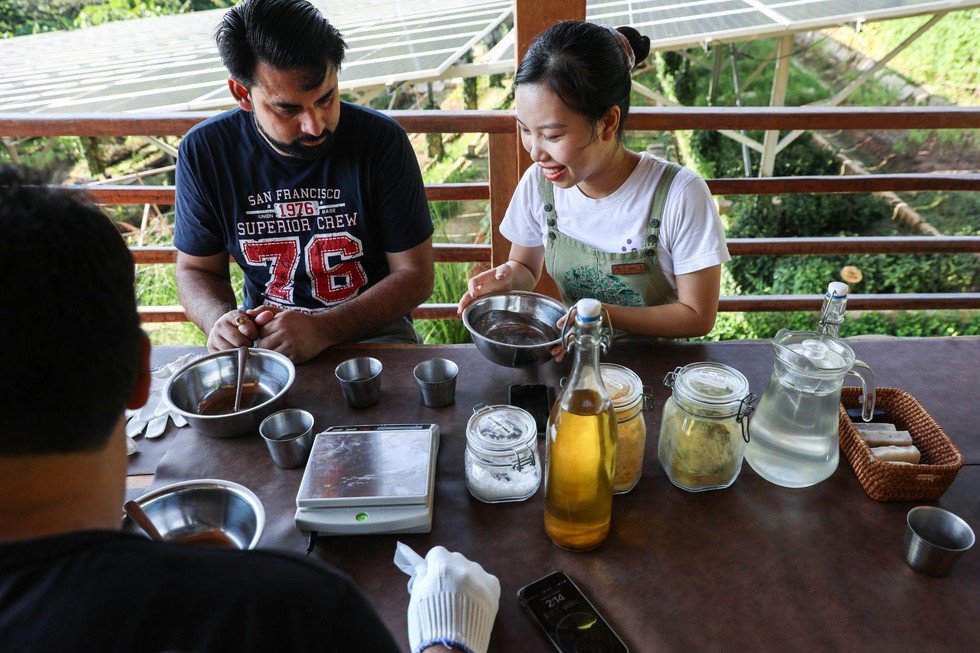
<point>704,426</point>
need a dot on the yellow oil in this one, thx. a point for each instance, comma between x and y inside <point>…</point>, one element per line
<point>579,475</point>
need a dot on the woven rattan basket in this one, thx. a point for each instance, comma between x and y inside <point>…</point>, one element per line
<point>884,481</point>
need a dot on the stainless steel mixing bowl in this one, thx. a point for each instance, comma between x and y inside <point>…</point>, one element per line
<point>514,329</point>
<point>211,379</point>
<point>192,511</point>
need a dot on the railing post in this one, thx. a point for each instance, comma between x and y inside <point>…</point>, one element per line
<point>504,176</point>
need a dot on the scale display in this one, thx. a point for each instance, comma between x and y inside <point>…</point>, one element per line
<point>369,479</point>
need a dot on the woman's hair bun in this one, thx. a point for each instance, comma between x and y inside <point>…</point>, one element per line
<point>639,42</point>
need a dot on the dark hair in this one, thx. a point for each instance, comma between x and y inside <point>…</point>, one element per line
<point>71,335</point>
<point>285,34</point>
<point>585,66</point>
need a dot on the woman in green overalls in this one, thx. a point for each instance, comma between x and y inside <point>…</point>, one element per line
<point>638,233</point>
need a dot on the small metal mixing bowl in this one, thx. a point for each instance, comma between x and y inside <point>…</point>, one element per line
<point>514,329</point>
<point>206,511</point>
<point>196,390</point>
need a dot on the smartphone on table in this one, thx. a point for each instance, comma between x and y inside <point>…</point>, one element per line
<point>535,398</point>
<point>567,617</point>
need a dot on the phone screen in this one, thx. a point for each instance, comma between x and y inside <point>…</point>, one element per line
<point>535,398</point>
<point>569,620</point>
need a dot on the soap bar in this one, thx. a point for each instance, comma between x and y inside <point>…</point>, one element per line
<point>874,426</point>
<point>898,454</point>
<point>886,438</point>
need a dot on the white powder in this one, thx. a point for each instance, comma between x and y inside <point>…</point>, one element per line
<point>493,484</point>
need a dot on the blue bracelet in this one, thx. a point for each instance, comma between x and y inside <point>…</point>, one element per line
<point>448,643</point>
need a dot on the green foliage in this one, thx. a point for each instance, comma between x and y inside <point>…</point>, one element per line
<point>22,17</point>
<point>677,76</point>
<point>52,156</point>
<point>944,59</point>
<point>113,10</point>
<point>449,285</point>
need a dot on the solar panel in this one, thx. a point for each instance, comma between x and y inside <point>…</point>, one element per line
<point>679,24</point>
<point>170,63</point>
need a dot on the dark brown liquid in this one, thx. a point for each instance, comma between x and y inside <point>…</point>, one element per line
<point>222,400</point>
<point>212,537</point>
<point>514,328</point>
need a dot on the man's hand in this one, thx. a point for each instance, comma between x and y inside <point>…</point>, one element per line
<point>232,330</point>
<point>292,333</point>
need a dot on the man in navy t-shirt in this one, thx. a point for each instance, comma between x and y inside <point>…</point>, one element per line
<point>320,202</point>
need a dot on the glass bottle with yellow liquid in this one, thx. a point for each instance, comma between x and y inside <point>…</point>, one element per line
<point>580,454</point>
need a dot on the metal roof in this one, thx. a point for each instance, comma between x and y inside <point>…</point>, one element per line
<point>170,63</point>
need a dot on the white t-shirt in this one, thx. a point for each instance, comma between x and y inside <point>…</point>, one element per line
<point>691,234</point>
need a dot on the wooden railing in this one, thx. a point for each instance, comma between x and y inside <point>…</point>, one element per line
<point>504,166</point>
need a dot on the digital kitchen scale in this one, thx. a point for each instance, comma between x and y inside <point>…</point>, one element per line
<point>369,479</point>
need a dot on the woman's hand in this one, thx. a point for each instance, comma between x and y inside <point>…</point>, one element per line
<point>559,351</point>
<point>500,278</point>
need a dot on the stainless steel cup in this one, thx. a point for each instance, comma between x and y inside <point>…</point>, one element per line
<point>935,539</point>
<point>437,381</point>
<point>360,379</point>
<point>289,436</point>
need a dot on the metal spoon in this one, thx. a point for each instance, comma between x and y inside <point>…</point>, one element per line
<point>242,358</point>
<point>135,512</point>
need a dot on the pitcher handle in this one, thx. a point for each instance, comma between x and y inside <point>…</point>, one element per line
<point>869,388</point>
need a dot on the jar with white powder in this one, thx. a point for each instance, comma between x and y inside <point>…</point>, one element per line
<point>501,459</point>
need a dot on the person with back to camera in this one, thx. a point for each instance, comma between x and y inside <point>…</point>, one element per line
<point>70,579</point>
<point>320,202</point>
<point>638,233</point>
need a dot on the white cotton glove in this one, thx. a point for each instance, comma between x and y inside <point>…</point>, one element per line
<point>155,412</point>
<point>453,600</point>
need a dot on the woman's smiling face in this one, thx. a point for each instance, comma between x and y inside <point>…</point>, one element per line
<point>564,144</point>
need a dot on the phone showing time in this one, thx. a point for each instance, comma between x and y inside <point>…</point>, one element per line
<point>567,617</point>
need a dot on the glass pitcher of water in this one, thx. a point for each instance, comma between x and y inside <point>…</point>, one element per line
<point>793,436</point>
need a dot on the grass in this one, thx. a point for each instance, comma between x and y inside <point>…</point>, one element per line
<point>943,60</point>
<point>449,285</point>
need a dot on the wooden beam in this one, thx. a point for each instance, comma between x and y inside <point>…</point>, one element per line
<point>844,184</point>
<point>125,194</point>
<point>811,118</point>
<point>854,245</point>
<point>897,302</point>
<point>481,254</point>
<point>28,125</point>
<point>531,17</point>
<point>728,304</point>
<point>442,253</point>
<point>504,176</point>
<point>784,60</point>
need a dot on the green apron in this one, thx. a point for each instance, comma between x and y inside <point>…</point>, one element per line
<point>631,278</point>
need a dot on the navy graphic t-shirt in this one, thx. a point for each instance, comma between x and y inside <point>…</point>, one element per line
<point>308,234</point>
